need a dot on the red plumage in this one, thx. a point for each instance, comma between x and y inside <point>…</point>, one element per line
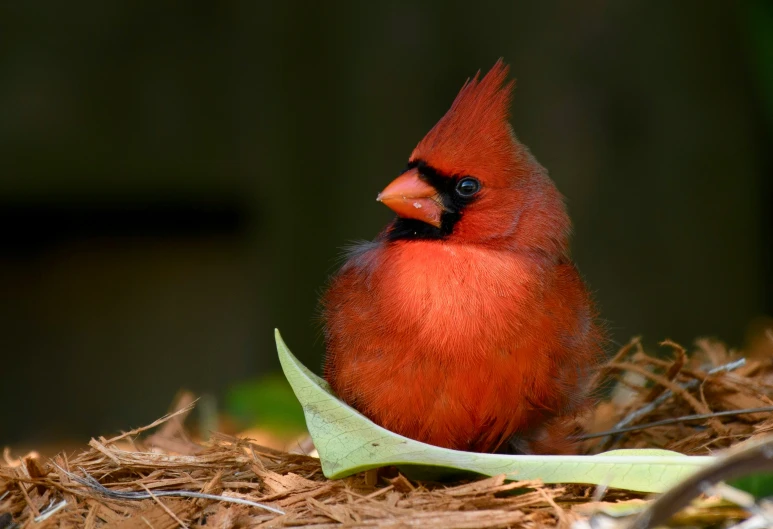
<point>465,324</point>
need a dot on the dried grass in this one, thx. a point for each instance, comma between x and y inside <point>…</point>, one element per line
<point>654,389</point>
<point>35,492</point>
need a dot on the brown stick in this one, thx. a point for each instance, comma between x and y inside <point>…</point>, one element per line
<point>35,511</point>
<point>673,370</point>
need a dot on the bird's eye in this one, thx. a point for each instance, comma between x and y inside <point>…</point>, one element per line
<point>467,186</point>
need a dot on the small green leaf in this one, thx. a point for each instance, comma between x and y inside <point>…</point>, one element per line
<point>759,485</point>
<point>268,401</point>
<point>348,442</point>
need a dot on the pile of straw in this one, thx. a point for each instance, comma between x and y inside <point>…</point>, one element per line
<point>165,479</point>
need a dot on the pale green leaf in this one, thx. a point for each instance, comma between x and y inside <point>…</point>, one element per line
<point>348,443</point>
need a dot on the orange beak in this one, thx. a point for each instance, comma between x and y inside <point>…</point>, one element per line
<point>412,198</point>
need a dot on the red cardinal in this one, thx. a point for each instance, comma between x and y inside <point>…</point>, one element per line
<point>465,324</point>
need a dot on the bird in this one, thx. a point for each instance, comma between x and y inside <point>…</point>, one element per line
<point>465,324</point>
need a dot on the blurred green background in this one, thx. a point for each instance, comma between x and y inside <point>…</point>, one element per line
<point>176,179</point>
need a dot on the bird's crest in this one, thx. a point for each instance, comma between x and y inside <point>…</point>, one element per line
<point>474,136</point>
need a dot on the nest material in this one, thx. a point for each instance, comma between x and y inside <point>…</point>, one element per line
<point>654,389</point>
<point>140,479</point>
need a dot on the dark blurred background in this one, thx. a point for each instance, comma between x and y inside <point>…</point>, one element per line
<point>176,179</point>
